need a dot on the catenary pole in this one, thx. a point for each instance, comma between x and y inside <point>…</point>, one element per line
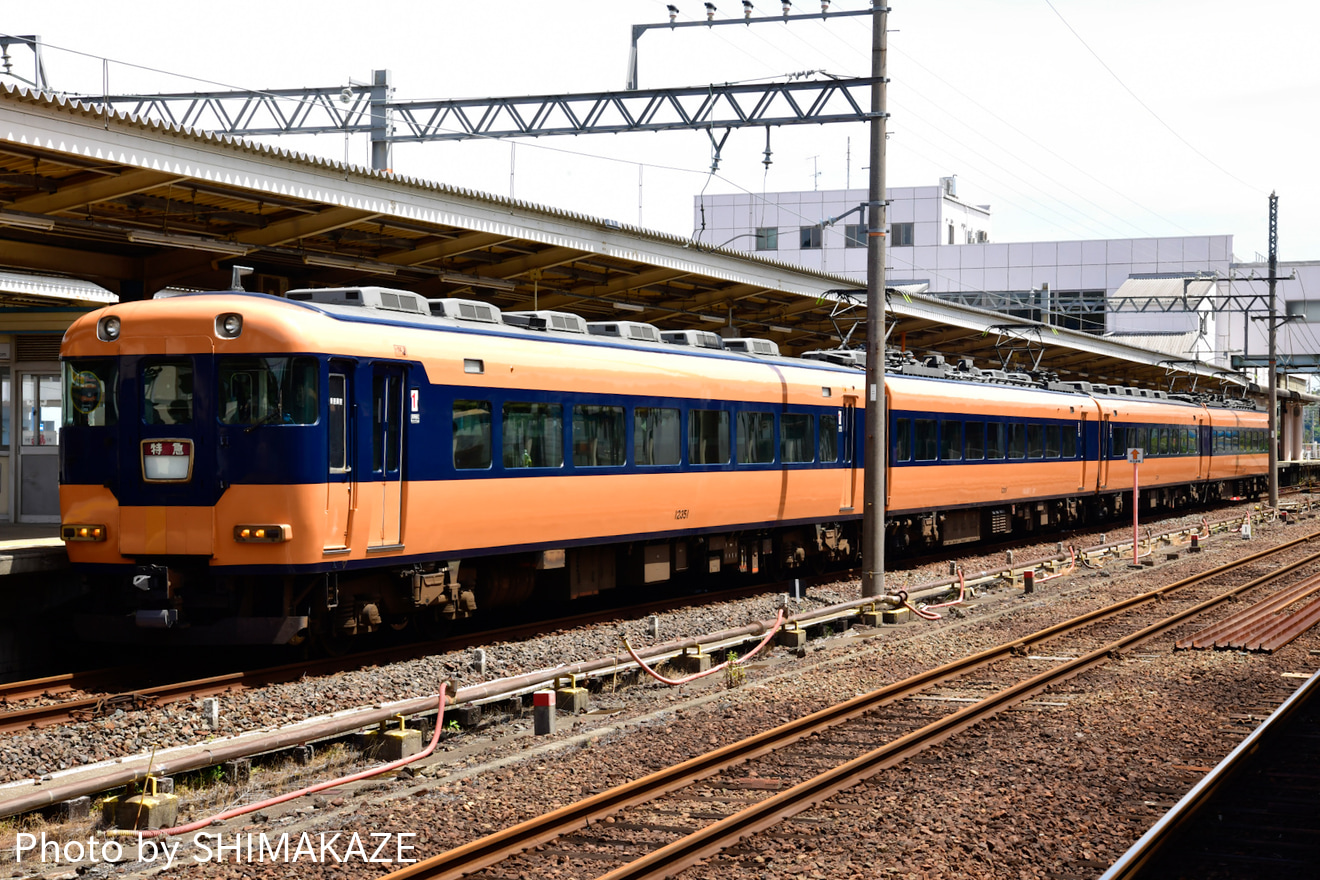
<point>873,511</point>
<point>1274,354</point>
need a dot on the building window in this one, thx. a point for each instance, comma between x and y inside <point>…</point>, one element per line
<point>809,237</point>
<point>855,235</point>
<point>767,238</point>
<point>902,234</point>
<point>950,233</point>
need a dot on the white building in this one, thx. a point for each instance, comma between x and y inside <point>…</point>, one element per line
<point>940,241</point>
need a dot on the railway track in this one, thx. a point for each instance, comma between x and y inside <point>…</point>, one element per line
<point>1252,815</point>
<point>671,819</point>
<point>111,694</point>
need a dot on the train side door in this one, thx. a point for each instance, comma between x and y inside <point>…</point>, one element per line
<point>1102,451</point>
<point>387,390</point>
<point>1202,451</point>
<point>847,449</point>
<point>1087,477</point>
<point>340,484</point>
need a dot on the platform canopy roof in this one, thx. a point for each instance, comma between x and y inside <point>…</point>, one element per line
<point>135,206</point>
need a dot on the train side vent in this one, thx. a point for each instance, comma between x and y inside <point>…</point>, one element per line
<point>633,330</point>
<point>382,298</point>
<point>465,310</point>
<point>999,521</point>
<point>759,347</point>
<point>694,338</point>
<point>543,319</point>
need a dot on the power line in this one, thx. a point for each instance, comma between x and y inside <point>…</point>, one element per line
<point>1143,104</point>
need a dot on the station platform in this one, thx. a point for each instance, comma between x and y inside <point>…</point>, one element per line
<point>29,548</point>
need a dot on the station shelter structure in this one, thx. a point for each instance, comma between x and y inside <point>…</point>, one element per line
<point>98,208</point>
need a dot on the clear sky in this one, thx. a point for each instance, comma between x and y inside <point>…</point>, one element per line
<point>1073,119</point>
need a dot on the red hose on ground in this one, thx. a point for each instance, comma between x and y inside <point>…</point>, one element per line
<point>962,594</point>
<point>779,621</point>
<point>1072,564</point>
<point>322,786</point>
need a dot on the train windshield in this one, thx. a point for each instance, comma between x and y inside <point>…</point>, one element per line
<point>91,396</point>
<point>167,392</point>
<point>268,390</point>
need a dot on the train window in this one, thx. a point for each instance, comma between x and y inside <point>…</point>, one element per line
<point>994,441</point>
<point>91,396</point>
<point>1035,441</point>
<point>533,435</point>
<point>796,436</point>
<point>1053,441</point>
<point>337,423</point>
<point>599,438</point>
<point>708,436</point>
<point>756,437</point>
<point>829,437</point>
<point>902,440</point>
<point>951,440</point>
<point>1017,440</point>
<point>975,441</point>
<point>656,436</point>
<point>923,439</point>
<point>472,446</point>
<point>268,390</point>
<point>167,392</point>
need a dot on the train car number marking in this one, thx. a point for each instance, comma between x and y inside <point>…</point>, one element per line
<point>681,514</point>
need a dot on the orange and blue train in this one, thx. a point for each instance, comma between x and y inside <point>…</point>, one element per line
<point>245,468</point>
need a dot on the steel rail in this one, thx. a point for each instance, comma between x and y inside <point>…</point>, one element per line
<point>685,852</point>
<point>502,844</point>
<point>35,717</point>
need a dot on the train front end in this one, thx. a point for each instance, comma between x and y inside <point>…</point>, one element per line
<point>189,439</point>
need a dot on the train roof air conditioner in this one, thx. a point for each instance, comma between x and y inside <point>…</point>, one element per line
<point>634,330</point>
<point>382,298</point>
<point>694,338</point>
<point>847,357</point>
<point>543,319</point>
<point>758,347</point>
<point>465,310</point>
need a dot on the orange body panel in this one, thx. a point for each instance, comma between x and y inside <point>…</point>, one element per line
<point>462,515</point>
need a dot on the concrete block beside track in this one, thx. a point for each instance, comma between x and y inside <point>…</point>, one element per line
<point>573,700</point>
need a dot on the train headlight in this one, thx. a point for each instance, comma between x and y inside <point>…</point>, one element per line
<point>228,326</point>
<point>107,329</point>
<point>82,532</point>
<point>263,534</point>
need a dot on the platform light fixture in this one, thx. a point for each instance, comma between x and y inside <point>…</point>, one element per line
<point>711,319</point>
<point>629,307</point>
<point>778,329</point>
<point>340,263</point>
<point>189,242</point>
<point>27,221</point>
